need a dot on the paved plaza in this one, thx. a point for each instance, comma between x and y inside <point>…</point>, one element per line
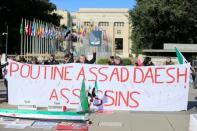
<point>132,121</point>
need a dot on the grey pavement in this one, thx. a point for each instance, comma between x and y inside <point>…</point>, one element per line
<point>132,121</point>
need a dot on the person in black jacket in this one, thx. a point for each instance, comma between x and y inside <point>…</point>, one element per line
<point>68,58</point>
<point>148,62</point>
<point>83,59</point>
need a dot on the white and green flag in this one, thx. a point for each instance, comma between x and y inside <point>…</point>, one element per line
<point>180,57</point>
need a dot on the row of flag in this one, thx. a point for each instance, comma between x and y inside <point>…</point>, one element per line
<point>38,28</point>
<point>85,30</point>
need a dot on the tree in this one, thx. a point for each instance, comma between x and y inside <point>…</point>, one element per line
<point>11,13</point>
<point>156,22</point>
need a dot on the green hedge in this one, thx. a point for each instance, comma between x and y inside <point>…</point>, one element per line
<point>104,61</point>
<point>126,61</point>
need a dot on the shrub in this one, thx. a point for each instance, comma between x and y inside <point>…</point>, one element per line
<point>126,61</point>
<point>102,61</point>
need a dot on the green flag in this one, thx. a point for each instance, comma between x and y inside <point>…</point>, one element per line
<point>96,85</point>
<point>21,28</point>
<point>180,57</point>
<point>84,98</point>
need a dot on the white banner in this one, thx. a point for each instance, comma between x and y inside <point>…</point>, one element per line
<point>158,88</point>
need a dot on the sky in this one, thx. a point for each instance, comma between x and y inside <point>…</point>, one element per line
<point>74,5</point>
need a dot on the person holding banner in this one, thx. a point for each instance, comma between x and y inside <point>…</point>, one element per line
<point>35,61</point>
<point>118,61</point>
<point>83,59</point>
<point>69,58</point>
<point>168,61</point>
<point>2,75</point>
<point>111,60</point>
<point>2,66</point>
<point>51,61</point>
<point>148,62</point>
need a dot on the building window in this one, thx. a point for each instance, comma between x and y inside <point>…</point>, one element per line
<point>119,43</point>
<point>103,24</point>
<point>118,32</point>
<point>86,23</point>
<point>118,24</point>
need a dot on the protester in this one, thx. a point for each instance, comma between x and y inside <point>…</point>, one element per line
<point>2,66</point>
<point>22,59</point>
<point>83,59</point>
<point>76,59</point>
<point>69,58</point>
<point>111,60</point>
<point>51,61</point>
<point>2,76</point>
<point>35,60</point>
<point>139,62</point>
<point>118,61</point>
<point>148,62</point>
<point>168,61</point>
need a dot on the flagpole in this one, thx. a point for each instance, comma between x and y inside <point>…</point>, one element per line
<point>27,38</point>
<point>48,38</point>
<point>42,38</point>
<point>45,46</point>
<point>48,45</point>
<point>21,44</point>
<point>29,45</point>
<point>37,41</point>
<point>53,46</point>
<point>21,33</point>
<point>30,37</point>
<point>39,37</point>
<point>24,39</point>
<point>41,45</point>
<point>33,45</point>
<point>33,36</point>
